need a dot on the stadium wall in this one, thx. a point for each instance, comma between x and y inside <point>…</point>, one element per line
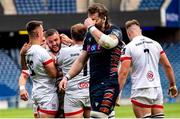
<point>65,21</point>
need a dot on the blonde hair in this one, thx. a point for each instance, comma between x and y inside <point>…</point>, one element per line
<point>131,22</point>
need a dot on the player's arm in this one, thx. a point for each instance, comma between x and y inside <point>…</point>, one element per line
<point>66,40</point>
<point>75,69</point>
<point>23,51</point>
<point>123,72</point>
<point>106,41</point>
<point>50,68</point>
<point>170,74</point>
<point>22,83</point>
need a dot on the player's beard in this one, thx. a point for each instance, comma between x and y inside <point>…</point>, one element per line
<point>99,26</point>
<point>55,49</point>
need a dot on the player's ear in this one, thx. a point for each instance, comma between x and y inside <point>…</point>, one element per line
<point>105,18</point>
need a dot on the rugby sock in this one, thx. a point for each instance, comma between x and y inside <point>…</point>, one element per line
<point>112,115</point>
<point>160,115</point>
<point>95,114</point>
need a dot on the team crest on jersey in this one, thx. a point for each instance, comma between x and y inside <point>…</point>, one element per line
<point>150,76</point>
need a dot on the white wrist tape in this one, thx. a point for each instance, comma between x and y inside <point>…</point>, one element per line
<point>107,42</point>
<point>68,76</point>
<point>22,87</point>
<point>92,28</point>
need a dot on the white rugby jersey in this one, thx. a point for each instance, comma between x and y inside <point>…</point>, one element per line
<point>36,58</point>
<point>145,54</point>
<point>79,85</point>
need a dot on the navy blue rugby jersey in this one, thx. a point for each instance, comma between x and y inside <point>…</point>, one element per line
<point>103,62</point>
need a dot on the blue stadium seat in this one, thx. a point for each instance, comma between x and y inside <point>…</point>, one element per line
<point>6,92</point>
<point>150,4</point>
<point>42,7</point>
<point>30,6</point>
<point>9,74</point>
<point>62,6</point>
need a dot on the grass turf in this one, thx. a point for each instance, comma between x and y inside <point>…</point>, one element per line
<point>171,111</point>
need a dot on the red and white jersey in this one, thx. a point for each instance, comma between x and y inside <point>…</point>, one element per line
<point>79,85</point>
<point>36,58</point>
<point>144,54</point>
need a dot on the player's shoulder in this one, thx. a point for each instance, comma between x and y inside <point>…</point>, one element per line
<point>37,47</point>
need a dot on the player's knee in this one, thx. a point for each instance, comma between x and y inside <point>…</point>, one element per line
<point>95,114</point>
<point>160,115</point>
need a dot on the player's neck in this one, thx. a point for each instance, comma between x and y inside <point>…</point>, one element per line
<point>78,42</point>
<point>35,41</point>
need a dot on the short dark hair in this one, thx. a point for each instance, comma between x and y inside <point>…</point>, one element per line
<point>50,32</point>
<point>78,32</point>
<point>131,22</point>
<point>98,8</point>
<point>31,26</point>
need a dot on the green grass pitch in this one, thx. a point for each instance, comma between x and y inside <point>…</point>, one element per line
<point>171,111</point>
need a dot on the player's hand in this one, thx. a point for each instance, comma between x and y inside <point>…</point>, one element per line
<point>173,92</point>
<point>63,84</point>
<point>66,40</point>
<point>89,22</point>
<point>25,48</point>
<point>24,95</point>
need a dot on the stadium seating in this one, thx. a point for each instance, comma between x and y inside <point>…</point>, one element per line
<point>30,6</point>
<point>9,75</point>
<point>150,4</point>
<point>61,6</point>
<point>44,7</point>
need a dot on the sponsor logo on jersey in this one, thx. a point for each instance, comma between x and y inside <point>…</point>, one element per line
<point>83,85</point>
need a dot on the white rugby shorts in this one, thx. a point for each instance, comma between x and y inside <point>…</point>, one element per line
<point>147,97</point>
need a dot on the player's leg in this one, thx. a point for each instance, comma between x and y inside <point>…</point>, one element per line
<point>87,112</point>
<point>141,110</point>
<point>112,115</point>
<point>60,113</point>
<point>141,102</point>
<point>35,109</point>
<point>48,106</point>
<point>86,106</point>
<point>72,107</point>
<point>103,101</point>
<point>45,115</point>
<point>157,108</point>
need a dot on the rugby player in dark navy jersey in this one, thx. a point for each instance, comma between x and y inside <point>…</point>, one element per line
<point>103,44</point>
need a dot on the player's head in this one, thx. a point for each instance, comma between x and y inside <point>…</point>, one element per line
<point>35,29</point>
<point>99,13</point>
<point>43,44</point>
<point>133,28</point>
<point>78,32</point>
<point>53,40</point>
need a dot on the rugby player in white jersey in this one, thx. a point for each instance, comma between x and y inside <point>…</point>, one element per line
<point>76,100</point>
<point>52,43</point>
<point>42,72</point>
<point>143,55</point>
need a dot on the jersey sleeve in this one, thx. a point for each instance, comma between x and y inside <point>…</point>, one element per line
<point>126,54</point>
<point>161,51</point>
<point>26,72</point>
<point>45,57</point>
<point>117,32</point>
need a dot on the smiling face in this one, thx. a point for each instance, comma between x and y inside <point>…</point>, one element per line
<point>54,42</point>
